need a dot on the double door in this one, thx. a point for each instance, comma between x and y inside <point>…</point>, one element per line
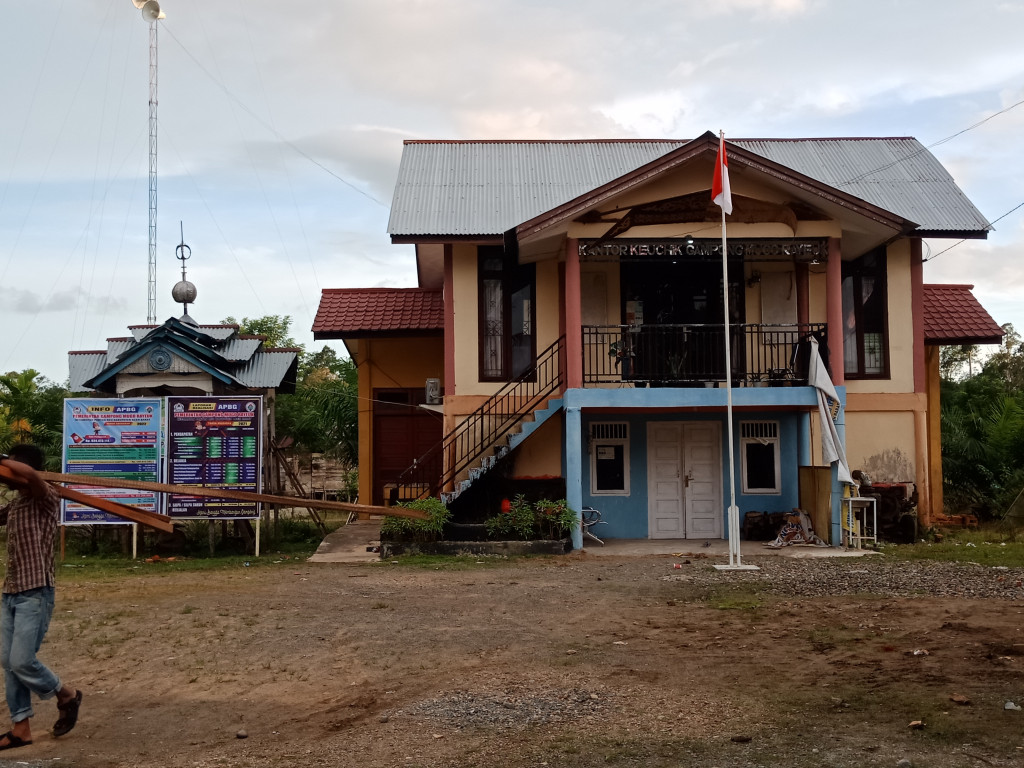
<point>684,480</point>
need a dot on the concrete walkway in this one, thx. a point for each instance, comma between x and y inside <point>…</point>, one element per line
<point>352,544</point>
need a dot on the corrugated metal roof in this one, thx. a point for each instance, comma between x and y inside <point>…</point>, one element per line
<point>240,358</point>
<point>117,347</point>
<point>952,315</point>
<point>267,368</point>
<point>83,366</point>
<point>486,188</point>
<point>219,332</point>
<point>897,174</point>
<point>239,349</point>
<point>471,188</point>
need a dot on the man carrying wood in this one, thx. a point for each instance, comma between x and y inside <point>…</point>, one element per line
<point>28,595</point>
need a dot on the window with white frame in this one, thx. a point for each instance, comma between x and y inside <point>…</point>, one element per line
<point>609,459</point>
<point>759,450</point>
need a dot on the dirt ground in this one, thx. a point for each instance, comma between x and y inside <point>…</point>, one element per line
<point>560,661</point>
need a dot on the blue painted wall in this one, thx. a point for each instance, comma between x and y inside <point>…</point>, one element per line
<point>626,516</point>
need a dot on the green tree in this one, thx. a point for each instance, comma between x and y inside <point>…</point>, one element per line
<point>276,329</point>
<point>324,413</point>
<point>321,416</point>
<point>32,410</point>
<point>983,432</point>
<point>957,362</point>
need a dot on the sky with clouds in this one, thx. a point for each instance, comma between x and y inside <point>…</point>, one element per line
<point>281,128</point>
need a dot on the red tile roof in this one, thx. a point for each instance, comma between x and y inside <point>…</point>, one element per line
<point>361,312</point>
<point>953,316</point>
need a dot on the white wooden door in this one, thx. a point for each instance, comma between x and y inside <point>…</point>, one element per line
<point>702,461</point>
<point>665,497</point>
<point>684,480</point>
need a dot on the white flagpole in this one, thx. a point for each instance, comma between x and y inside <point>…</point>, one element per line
<point>734,511</point>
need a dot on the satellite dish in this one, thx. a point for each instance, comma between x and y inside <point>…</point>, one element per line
<point>151,10</point>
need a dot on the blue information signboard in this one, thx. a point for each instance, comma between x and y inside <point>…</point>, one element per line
<point>112,438</point>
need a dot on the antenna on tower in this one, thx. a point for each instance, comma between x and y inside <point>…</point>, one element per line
<point>151,12</point>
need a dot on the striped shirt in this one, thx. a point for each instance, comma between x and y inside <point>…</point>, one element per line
<point>31,523</point>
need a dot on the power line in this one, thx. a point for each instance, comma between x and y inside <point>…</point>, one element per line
<point>924,149</point>
<point>270,128</point>
<point>954,245</point>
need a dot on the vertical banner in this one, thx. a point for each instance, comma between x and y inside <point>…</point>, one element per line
<point>214,442</point>
<point>112,438</point>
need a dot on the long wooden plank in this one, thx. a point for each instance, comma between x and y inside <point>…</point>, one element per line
<point>229,493</point>
<point>152,519</point>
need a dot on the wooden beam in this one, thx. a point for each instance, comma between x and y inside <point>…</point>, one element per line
<point>228,493</point>
<point>152,519</point>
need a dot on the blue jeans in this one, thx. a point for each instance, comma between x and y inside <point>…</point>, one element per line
<point>24,619</point>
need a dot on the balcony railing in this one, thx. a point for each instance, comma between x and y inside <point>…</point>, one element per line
<point>694,355</point>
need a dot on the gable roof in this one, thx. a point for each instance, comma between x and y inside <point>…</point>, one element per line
<point>953,316</point>
<point>485,188</point>
<point>233,361</point>
<point>367,312</point>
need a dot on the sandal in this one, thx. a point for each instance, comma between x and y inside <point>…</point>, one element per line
<point>14,741</point>
<point>68,715</point>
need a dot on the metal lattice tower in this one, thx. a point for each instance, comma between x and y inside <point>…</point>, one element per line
<point>151,301</point>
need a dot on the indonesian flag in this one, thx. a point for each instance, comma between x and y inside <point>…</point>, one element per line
<point>721,193</point>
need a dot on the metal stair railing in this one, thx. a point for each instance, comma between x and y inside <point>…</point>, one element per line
<point>481,430</point>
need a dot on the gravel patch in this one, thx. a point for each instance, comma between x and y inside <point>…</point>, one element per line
<point>825,577</point>
<point>509,710</point>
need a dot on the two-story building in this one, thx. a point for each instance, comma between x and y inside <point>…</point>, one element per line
<point>568,326</point>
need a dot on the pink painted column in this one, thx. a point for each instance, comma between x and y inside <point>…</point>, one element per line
<point>834,311</point>
<point>926,460</point>
<point>917,308</point>
<point>449,322</point>
<point>573,316</point>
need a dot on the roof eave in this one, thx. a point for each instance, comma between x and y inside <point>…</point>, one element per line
<point>371,334</point>
<point>435,239</point>
<point>954,234</point>
<point>963,340</point>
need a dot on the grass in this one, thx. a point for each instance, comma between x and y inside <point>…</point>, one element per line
<point>457,562</point>
<point>105,568</point>
<point>990,545</point>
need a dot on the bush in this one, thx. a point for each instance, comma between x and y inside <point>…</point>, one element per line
<point>409,529</point>
<point>524,521</point>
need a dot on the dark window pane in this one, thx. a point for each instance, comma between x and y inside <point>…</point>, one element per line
<point>610,467</point>
<point>760,465</point>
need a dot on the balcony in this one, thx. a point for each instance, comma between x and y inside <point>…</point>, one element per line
<point>694,355</point>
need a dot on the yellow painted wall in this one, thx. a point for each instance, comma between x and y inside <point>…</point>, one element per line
<point>389,364</point>
<point>540,455</point>
<point>549,304</point>
<point>881,443</point>
<point>467,328</point>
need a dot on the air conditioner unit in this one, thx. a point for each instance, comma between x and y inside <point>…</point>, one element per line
<point>433,391</point>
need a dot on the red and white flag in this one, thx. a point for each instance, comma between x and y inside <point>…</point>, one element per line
<point>721,193</point>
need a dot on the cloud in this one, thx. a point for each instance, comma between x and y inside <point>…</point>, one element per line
<point>25,302</point>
